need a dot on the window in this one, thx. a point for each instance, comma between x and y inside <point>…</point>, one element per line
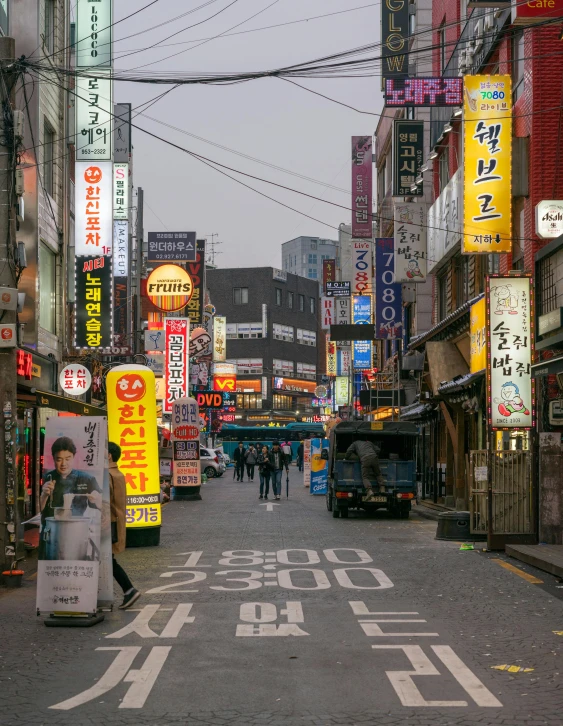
<point>547,297</point>
<point>282,402</point>
<point>47,282</point>
<point>49,26</point>
<point>304,259</point>
<point>444,169</point>
<point>381,183</point>
<point>313,245</point>
<point>48,156</point>
<point>244,330</point>
<point>494,263</point>
<point>312,273</point>
<point>278,296</point>
<point>518,235</point>
<point>249,400</point>
<point>312,259</point>
<point>325,257</point>
<point>301,303</point>
<point>282,332</point>
<point>240,295</point>
<point>312,305</point>
<point>306,337</point>
<point>442,296</point>
<point>518,62</point>
<point>248,365</point>
<point>442,47</point>
<point>282,367</point>
<point>290,300</point>
<point>307,370</point>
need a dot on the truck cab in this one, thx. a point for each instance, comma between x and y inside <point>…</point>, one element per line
<point>396,442</point>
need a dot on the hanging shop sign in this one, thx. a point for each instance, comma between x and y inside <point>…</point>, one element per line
<point>8,298</point>
<point>93,32</point>
<point>121,132</point>
<point>342,310</point>
<point>330,358</point>
<point>196,271</point>
<point>510,350</point>
<point>408,157</point>
<point>361,186</point>
<point>199,342</point>
<point>94,118</point>
<point>155,362</point>
<point>362,316</point>
<point>75,379</point>
<point>362,267</point>
<point>410,242</point>
<point>337,289</point>
<point>24,365</point>
<point>394,38</point>
<point>169,288</point>
<point>388,293</point>
<point>176,346</point>
<point>154,341</point>
<point>120,248</point>
<point>214,400</point>
<point>536,11</point>
<point>220,338</point>
<point>93,310</point>
<point>329,273</point>
<point>445,222</point>
<point>478,336</point>
<point>172,246</point>
<point>343,361</point>
<point>327,312</point>
<point>438,91</point>
<point>121,191</point>
<point>8,335</point>
<point>342,390</point>
<point>185,440</point>
<point>549,219</point>
<point>226,382</point>
<point>487,168</point>
<point>132,423</point>
<point>93,208</point>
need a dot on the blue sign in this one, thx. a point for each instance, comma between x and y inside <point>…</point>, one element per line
<point>388,295</point>
<point>319,467</point>
<point>362,316</point>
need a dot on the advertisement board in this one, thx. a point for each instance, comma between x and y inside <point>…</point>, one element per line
<point>94,118</point>
<point>329,273</point>
<point>327,312</point>
<point>93,316</point>
<point>220,338</point>
<point>176,346</point>
<point>388,293</point>
<point>343,360</point>
<point>342,310</point>
<point>185,440</point>
<point>132,424</point>
<point>121,132</point>
<point>171,247</point>
<point>307,463</point>
<point>395,39</point>
<point>120,248</point>
<point>338,289</point>
<point>93,208</point>
<point>330,358</point>
<point>410,242</point>
<point>362,267</point>
<point>342,390</point>
<point>487,168</point>
<point>361,187</point>
<point>362,316</point>
<point>196,271</point>
<point>478,336</point>
<point>319,467</point>
<point>436,91</point>
<point>408,156</point>
<point>121,191</point>
<point>445,221</point>
<point>549,219</point>
<point>93,34</point>
<point>169,288</point>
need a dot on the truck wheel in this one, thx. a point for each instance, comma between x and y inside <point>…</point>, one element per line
<point>335,512</point>
<point>344,512</point>
<point>329,504</point>
<point>404,512</point>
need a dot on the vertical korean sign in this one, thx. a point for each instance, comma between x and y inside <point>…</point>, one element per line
<point>71,514</point>
<point>330,358</point>
<point>362,316</point>
<point>510,349</point>
<point>478,336</point>
<point>196,271</point>
<point>410,242</point>
<point>408,156</point>
<point>177,345</point>
<point>185,439</point>
<point>388,293</point>
<point>394,38</point>
<point>92,315</point>
<point>361,187</point>
<point>487,136</point>
<point>329,272</point>
<point>132,424</point>
<point>220,338</point>
<point>362,267</point>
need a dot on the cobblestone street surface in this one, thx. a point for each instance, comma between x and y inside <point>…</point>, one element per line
<point>280,614</point>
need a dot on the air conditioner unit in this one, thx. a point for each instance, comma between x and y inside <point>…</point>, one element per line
<point>462,66</point>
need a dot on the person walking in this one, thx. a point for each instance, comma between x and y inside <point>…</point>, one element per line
<point>278,463</point>
<point>264,472</point>
<point>367,453</point>
<point>239,455</point>
<point>251,458</point>
<point>300,452</point>
<point>286,448</point>
<point>118,500</point>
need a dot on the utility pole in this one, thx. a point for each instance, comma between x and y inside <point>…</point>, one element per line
<point>11,499</point>
<point>212,247</point>
<point>139,273</point>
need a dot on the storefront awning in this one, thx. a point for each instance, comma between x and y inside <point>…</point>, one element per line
<point>445,363</point>
<point>61,403</point>
<point>417,411</point>
<point>548,367</point>
<point>459,383</point>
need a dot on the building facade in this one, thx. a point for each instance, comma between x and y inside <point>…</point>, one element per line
<point>304,256</point>
<point>274,337</point>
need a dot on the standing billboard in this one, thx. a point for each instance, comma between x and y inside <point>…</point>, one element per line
<point>185,440</point>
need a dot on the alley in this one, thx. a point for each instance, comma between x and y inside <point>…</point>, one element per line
<point>280,614</point>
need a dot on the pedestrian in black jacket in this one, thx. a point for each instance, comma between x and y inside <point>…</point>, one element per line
<point>265,472</point>
<point>251,458</point>
<point>278,462</point>
<point>239,457</point>
<point>300,452</point>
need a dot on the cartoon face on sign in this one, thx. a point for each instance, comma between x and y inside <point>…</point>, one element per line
<point>130,387</point>
<point>93,175</point>
<point>510,402</point>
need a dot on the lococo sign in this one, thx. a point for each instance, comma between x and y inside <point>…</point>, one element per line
<point>549,219</point>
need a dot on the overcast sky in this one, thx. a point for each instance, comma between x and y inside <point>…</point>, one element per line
<point>268,119</point>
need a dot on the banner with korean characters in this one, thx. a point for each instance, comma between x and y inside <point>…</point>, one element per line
<point>327,312</point>
<point>363,349</point>
<point>487,183</point>
<point>510,351</point>
<point>388,293</point>
<point>329,272</point>
<point>94,118</point>
<point>71,502</point>
<point>410,242</point>
<point>132,424</point>
<point>343,360</point>
<point>361,186</point>
<point>307,463</point>
<point>176,372</point>
<point>93,208</point>
<point>220,338</point>
<point>196,271</point>
<point>362,267</point>
<point>330,358</point>
<point>478,336</point>
<point>185,440</point>
<point>93,314</point>
<point>342,390</point>
<point>408,157</point>
<point>342,310</point>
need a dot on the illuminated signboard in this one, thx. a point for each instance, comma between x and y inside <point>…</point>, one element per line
<point>177,334</point>
<point>94,213</point>
<point>94,33</point>
<point>394,38</point>
<point>121,191</point>
<point>362,316</point>
<point>172,246</point>
<point>362,169</point>
<point>408,157</point>
<point>93,307</point>
<point>94,118</point>
<point>169,287</point>
<point>437,91</point>
<point>410,242</point>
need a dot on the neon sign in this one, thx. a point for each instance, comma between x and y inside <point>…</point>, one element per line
<point>423,92</point>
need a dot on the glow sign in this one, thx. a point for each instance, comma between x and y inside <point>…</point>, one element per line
<point>93,211</point>
<point>327,312</point>
<point>93,33</point>
<point>362,316</point>
<point>439,91</point>
<point>177,341</point>
<point>510,350</point>
<point>121,191</point>
<point>75,379</point>
<point>362,267</point>
<point>132,423</point>
<point>361,186</point>
<point>185,420</point>
<point>220,338</point>
<point>342,390</point>
<point>388,293</point>
<point>169,287</point>
<point>330,358</point>
<point>94,119</point>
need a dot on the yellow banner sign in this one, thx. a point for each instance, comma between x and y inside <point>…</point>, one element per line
<point>132,425</point>
<point>487,170</point>
<point>330,358</point>
<point>478,332</point>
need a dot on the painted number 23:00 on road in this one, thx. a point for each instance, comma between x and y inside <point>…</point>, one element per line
<point>299,576</point>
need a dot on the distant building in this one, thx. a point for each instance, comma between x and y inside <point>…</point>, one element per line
<point>274,336</point>
<point>304,256</point>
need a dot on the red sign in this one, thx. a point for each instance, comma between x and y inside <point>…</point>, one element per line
<point>177,341</point>
<point>207,399</point>
<point>436,91</point>
<point>24,364</point>
<point>536,11</point>
<point>329,272</point>
<point>224,383</point>
<point>186,433</point>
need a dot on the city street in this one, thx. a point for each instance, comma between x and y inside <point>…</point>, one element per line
<point>276,613</point>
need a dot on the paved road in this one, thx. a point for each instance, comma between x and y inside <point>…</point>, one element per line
<point>286,617</point>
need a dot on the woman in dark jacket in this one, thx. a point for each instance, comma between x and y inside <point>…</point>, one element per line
<point>265,471</point>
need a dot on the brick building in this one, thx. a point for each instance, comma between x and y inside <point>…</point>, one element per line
<point>274,336</point>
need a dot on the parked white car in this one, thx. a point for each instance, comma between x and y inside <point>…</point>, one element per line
<point>211,465</point>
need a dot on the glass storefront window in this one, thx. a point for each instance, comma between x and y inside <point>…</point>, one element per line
<point>283,402</point>
<point>249,400</point>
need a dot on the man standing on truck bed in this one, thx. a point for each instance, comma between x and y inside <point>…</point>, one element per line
<point>367,453</point>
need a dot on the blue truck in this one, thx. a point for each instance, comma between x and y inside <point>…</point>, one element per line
<point>396,442</point>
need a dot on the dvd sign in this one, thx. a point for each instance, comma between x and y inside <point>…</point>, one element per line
<point>210,400</point>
